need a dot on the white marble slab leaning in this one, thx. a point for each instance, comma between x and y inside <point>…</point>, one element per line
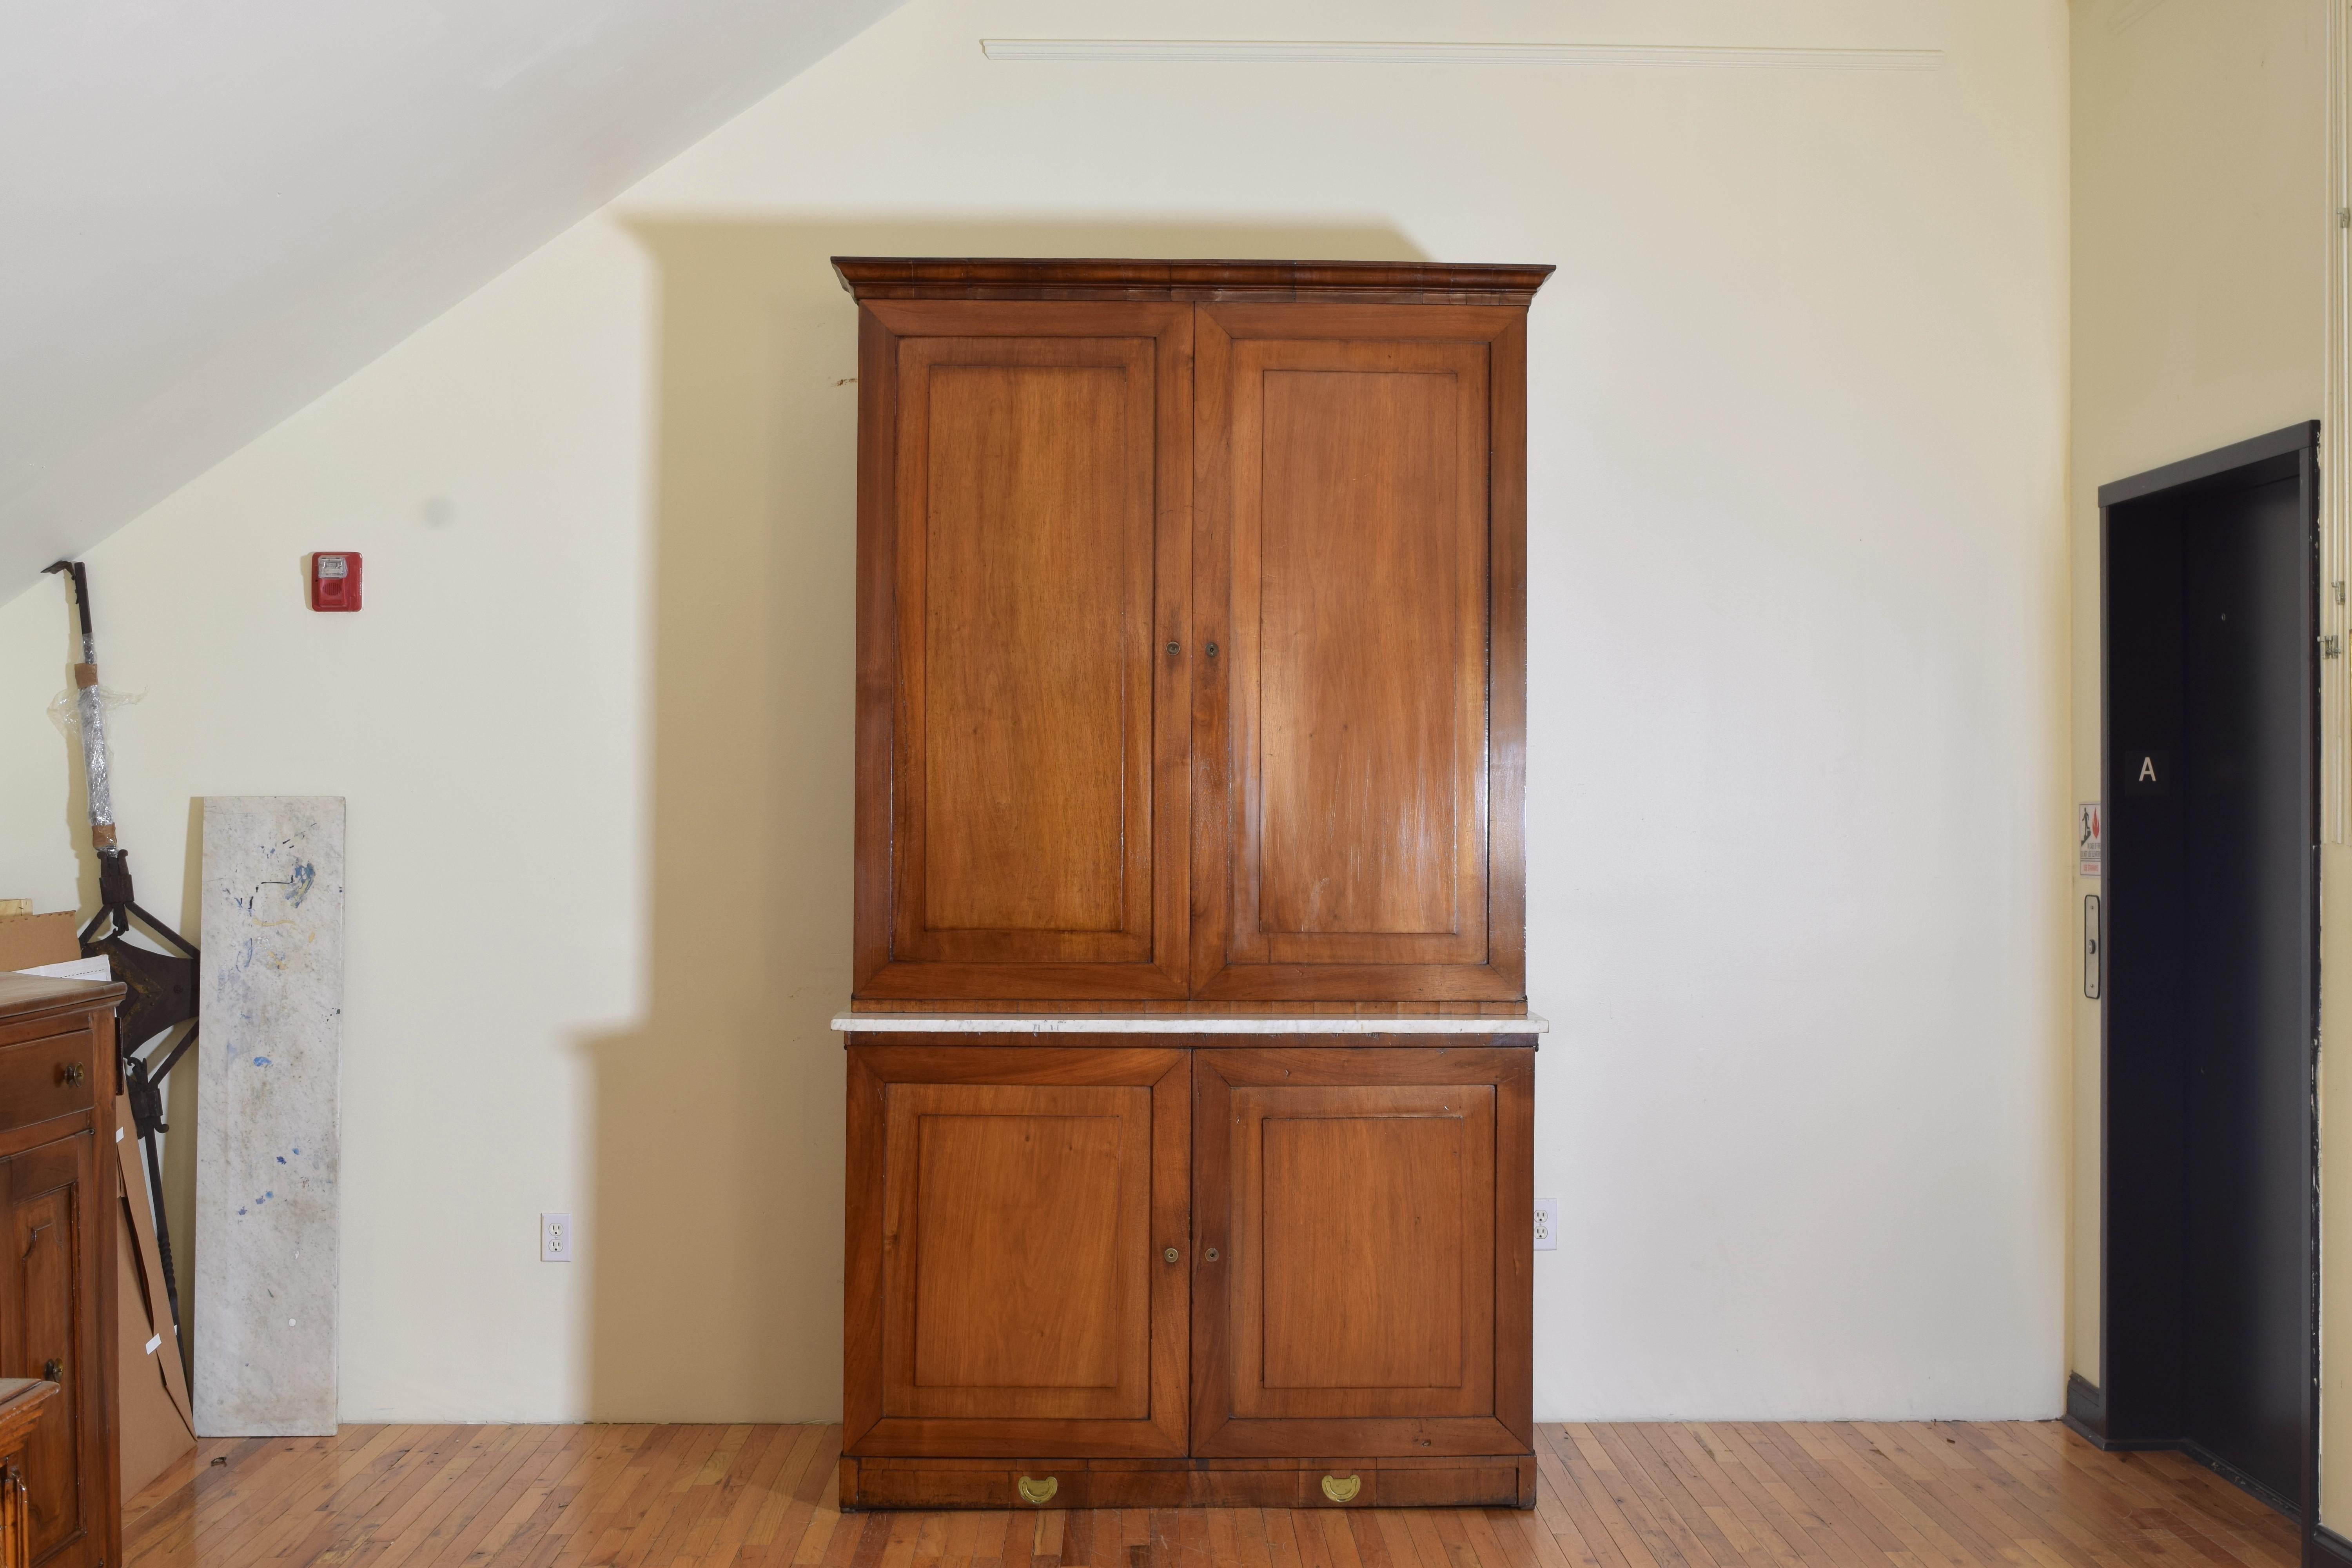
<point>1171,1023</point>
<point>268,1116</point>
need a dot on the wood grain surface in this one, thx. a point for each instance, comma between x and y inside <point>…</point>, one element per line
<point>1412,1166</point>
<point>1024,510</point>
<point>1693,1495</point>
<point>1008,1215</point>
<point>1359,555</point>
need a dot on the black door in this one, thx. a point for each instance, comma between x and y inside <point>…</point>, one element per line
<point>2212,890</point>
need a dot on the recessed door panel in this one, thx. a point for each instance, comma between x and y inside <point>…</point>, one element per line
<point>1036,672</point>
<point>1364,1240</point>
<point>1021,1281</point>
<point>1367,652</point>
<point>1359,651</point>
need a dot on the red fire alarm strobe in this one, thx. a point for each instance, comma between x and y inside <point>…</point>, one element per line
<point>335,580</point>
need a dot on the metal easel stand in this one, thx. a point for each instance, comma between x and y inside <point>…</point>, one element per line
<point>162,986</point>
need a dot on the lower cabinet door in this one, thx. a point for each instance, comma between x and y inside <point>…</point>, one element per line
<point>1363,1223</point>
<point>1018,1250</point>
<point>48,1306</point>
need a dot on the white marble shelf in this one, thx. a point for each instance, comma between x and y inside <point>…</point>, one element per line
<point>1174,1023</point>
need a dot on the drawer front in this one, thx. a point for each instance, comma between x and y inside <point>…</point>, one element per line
<point>55,1076</point>
<point>1501,1481</point>
<point>1045,1483</point>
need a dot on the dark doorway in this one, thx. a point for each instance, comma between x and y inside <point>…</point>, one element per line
<point>2209,1002</point>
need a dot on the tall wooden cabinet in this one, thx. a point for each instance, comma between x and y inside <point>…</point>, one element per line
<point>1191,713</point>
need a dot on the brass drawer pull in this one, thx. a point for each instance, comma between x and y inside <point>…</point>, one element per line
<point>53,1370</point>
<point>72,1072</point>
<point>1339,1490</point>
<point>1039,1492</point>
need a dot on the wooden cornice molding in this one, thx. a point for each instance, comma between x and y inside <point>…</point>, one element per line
<point>1367,282</point>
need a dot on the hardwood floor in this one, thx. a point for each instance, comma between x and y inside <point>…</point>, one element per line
<point>1695,1495</point>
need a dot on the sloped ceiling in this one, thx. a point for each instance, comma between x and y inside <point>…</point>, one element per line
<point>211,210</point>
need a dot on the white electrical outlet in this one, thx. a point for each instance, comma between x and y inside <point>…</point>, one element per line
<point>1546,1225</point>
<point>555,1238</point>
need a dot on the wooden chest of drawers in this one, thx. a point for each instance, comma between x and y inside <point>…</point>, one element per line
<point>60,1201</point>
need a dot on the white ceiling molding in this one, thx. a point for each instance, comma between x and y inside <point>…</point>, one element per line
<point>1326,51</point>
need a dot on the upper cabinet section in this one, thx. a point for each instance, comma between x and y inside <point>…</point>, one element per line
<point>1190,631</point>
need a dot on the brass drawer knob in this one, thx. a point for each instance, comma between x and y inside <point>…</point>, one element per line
<point>1038,1492</point>
<point>73,1072</point>
<point>54,1370</point>
<point>1339,1490</point>
<point>1171,1255</point>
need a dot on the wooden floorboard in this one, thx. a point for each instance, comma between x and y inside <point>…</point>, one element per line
<point>1695,1495</point>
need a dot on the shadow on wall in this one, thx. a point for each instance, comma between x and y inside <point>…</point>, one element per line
<point>717,1255</point>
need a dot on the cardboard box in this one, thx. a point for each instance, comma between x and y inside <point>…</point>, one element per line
<point>28,942</point>
<point>157,1429</point>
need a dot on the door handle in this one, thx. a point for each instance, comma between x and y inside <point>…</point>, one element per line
<point>2091,954</point>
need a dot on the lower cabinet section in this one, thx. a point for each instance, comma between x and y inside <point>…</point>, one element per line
<point>1190,1274</point>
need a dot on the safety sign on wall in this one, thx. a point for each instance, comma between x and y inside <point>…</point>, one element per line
<point>2089,829</point>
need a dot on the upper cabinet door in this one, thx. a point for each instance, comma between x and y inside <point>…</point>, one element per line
<point>1024,516</point>
<point>1358,734</point>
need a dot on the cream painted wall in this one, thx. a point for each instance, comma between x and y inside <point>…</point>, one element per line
<point>1798,556</point>
<point>2199,246</point>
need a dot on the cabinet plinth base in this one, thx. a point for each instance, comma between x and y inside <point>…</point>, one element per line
<point>1477,1480</point>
